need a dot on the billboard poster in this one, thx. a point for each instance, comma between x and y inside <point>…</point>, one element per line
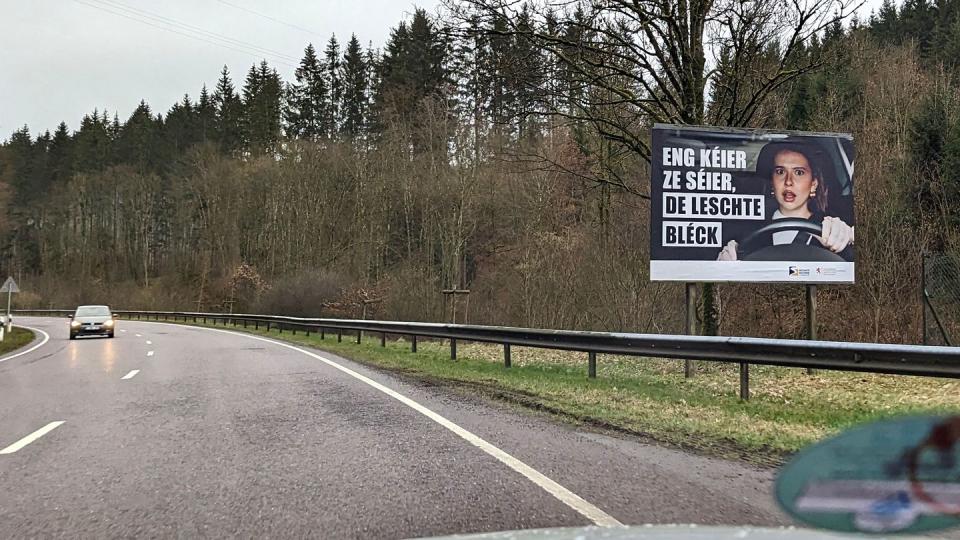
<point>751,206</point>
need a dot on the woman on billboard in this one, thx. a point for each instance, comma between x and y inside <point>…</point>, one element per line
<point>800,191</point>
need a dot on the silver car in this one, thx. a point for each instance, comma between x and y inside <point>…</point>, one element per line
<point>92,320</point>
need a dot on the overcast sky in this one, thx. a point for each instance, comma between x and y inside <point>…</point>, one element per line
<point>60,59</point>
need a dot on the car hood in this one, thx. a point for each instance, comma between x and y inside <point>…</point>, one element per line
<point>659,532</point>
<point>93,319</point>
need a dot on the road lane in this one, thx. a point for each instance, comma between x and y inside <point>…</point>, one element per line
<point>225,435</point>
<point>63,378</point>
<point>41,338</point>
<point>17,446</point>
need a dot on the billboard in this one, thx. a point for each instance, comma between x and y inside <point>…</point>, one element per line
<point>750,205</point>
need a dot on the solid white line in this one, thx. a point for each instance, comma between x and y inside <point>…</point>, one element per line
<point>561,493</point>
<point>130,375</point>
<point>149,342</point>
<point>149,353</point>
<point>46,338</point>
<point>31,437</point>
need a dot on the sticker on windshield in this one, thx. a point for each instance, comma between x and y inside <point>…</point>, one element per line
<point>893,476</point>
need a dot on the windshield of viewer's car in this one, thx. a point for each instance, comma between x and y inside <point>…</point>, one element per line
<point>93,311</point>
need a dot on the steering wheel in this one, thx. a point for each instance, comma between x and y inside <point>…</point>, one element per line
<point>754,247</point>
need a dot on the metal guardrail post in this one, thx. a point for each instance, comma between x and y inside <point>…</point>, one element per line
<point>811,317</point>
<point>592,365</point>
<point>453,349</point>
<point>506,355</point>
<point>323,333</point>
<point>383,339</point>
<point>691,324</point>
<point>744,381</point>
<point>413,343</point>
<point>359,336</point>
<point>339,335</point>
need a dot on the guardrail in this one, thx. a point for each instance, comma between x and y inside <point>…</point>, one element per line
<point>930,361</point>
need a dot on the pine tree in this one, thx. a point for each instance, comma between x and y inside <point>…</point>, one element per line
<point>526,80</point>
<point>61,154</point>
<point>885,24</point>
<point>470,58</point>
<point>262,109</point>
<point>206,116</point>
<point>392,94</point>
<point>928,129</point>
<point>229,114</point>
<point>502,96</point>
<point>93,143</point>
<point>140,140</point>
<point>307,99</point>
<point>41,170</point>
<point>918,22</point>
<point>21,162</point>
<point>427,56</point>
<point>113,130</point>
<point>353,73</point>
<point>412,69</point>
<point>182,129</point>
<point>331,68</point>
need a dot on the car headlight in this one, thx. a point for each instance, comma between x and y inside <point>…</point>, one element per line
<point>74,324</point>
<point>108,323</point>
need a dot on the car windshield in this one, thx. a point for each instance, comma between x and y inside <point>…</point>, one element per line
<point>93,311</point>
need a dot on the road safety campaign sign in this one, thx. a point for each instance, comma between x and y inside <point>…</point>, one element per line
<point>751,205</point>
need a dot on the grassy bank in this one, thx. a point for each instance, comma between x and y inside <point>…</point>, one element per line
<point>16,339</point>
<point>788,408</point>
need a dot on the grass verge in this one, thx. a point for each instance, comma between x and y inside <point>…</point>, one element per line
<point>17,338</point>
<point>788,409</point>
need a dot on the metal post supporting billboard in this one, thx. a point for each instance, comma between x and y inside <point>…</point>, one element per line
<point>691,324</point>
<point>923,296</point>
<point>811,316</point>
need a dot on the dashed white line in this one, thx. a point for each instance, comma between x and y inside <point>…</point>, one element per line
<point>561,493</point>
<point>130,375</point>
<point>138,335</point>
<point>46,338</point>
<point>149,342</point>
<point>122,330</point>
<point>149,353</point>
<point>31,437</point>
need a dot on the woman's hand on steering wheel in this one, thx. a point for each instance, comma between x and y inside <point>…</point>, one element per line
<point>836,235</point>
<point>729,252</point>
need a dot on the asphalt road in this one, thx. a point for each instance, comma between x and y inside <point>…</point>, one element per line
<point>221,435</point>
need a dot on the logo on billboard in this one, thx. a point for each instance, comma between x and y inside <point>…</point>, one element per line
<point>796,271</point>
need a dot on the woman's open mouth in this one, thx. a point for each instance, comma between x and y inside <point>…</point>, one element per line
<point>789,196</point>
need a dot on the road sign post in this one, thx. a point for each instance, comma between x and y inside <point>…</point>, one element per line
<point>9,287</point>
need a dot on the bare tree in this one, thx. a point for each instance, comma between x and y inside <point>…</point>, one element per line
<point>651,59</point>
